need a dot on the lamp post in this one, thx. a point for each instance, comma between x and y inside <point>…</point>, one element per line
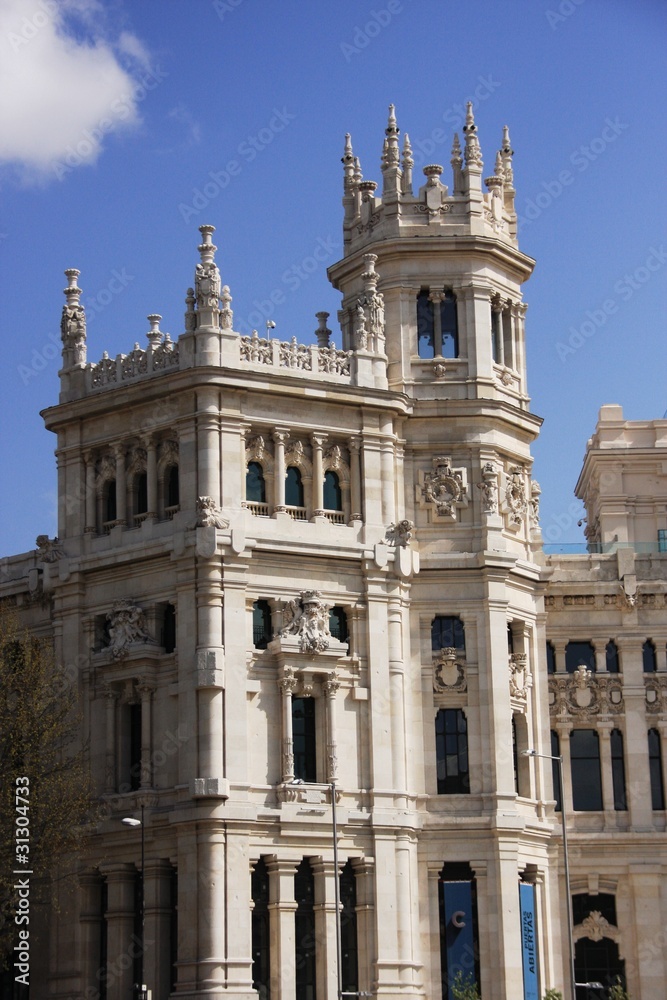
<point>566,859</point>
<point>131,821</point>
<point>339,949</point>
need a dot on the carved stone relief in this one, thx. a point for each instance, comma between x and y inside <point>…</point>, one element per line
<point>209,514</point>
<point>127,625</point>
<point>449,672</point>
<point>445,488</point>
<point>308,618</point>
<point>585,695</point>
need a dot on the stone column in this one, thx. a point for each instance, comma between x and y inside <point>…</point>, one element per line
<point>110,774</point>
<point>397,696</point>
<point>90,527</point>
<point>325,928</point>
<point>122,944</point>
<point>151,475</point>
<point>318,441</point>
<point>91,921</point>
<point>388,954</point>
<point>355,479</point>
<point>211,909</point>
<point>436,296</point>
<point>387,467</point>
<point>331,686</point>
<point>208,444</point>
<point>636,734</point>
<point>279,437</point>
<point>239,916</point>
<point>405,907</point>
<point>365,886</point>
<point>157,958</point>
<point>604,732</point>
<point>146,693</point>
<point>121,484</point>
<point>287,686</point>
<point>564,729</point>
<point>282,908</point>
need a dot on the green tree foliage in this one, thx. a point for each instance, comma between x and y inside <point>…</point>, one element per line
<point>618,991</point>
<point>553,995</point>
<point>39,740</point>
<point>464,989</point>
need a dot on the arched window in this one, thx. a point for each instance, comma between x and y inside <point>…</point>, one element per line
<point>551,658</point>
<point>425,325</point>
<point>649,658</point>
<point>141,487</point>
<point>332,493</point>
<point>510,639</point>
<point>255,487</point>
<point>611,655</point>
<point>618,770</point>
<point>447,631</point>
<point>655,770</point>
<point>451,752</point>
<point>109,501</point>
<point>261,624</point>
<point>555,770</point>
<point>577,653</point>
<point>449,326</point>
<point>586,777</point>
<point>293,487</point>
<point>338,623</point>
<point>261,938</point>
<point>172,491</point>
<point>496,335</point>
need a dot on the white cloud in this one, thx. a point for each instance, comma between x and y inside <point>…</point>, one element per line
<point>62,85</point>
<point>182,114</point>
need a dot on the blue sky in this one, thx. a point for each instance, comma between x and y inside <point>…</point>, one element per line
<point>126,125</point>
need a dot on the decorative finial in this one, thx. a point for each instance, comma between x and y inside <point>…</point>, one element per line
<point>470,119</point>
<point>322,333</point>
<point>392,127</point>
<point>473,153</point>
<point>390,155</point>
<point>207,275</point>
<point>507,154</point>
<point>498,169</point>
<point>348,164</point>
<point>154,335</point>
<point>358,175</point>
<point>457,159</point>
<point>73,322</point>
<point>407,164</point>
<point>385,154</point>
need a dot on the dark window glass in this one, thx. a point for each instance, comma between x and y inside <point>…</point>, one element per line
<point>555,770</point>
<point>104,939</point>
<point>332,494</point>
<point>456,872</point>
<point>137,953</point>
<point>662,539</point>
<point>496,334</point>
<point>173,929</point>
<point>142,493</point>
<point>303,733</point>
<point>338,623</point>
<point>169,628</point>
<point>649,658</point>
<point>611,654</point>
<point>597,962</point>
<point>261,955</point>
<point>586,779</point>
<point>255,487</point>
<point>655,769</point>
<point>110,501</point>
<point>618,770</point>
<point>551,658</point>
<point>173,494</point>
<point>577,653</point>
<point>583,904</point>
<point>293,487</point>
<point>261,624</point>
<point>304,932</point>
<point>510,639</point>
<point>425,325</point>
<point>451,750</point>
<point>135,747</point>
<point>449,326</point>
<point>515,756</point>
<point>447,632</point>
<point>348,930</point>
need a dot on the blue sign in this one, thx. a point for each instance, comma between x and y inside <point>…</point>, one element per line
<point>529,941</point>
<point>459,931</point>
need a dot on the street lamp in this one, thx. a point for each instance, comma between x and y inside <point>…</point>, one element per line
<point>143,993</point>
<point>566,858</point>
<point>339,949</point>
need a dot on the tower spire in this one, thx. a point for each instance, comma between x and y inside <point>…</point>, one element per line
<point>390,159</point>
<point>473,153</point>
<point>407,164</point>
<point>348,179</point>
<point>73,323</point>
<point>457,165</point>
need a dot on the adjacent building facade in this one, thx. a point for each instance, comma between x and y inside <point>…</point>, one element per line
<point>297,584</point>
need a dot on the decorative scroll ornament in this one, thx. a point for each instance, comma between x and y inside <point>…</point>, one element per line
<point>401,533</point>
<point>127,625</point>
<point>596,927</point>
<point>445,488</point>
<point>448,672</point>
<point>519,676</point>
<point>489,488</point>
<point>584,695</point>
<point>308,618</point>
<point>656,694</point>
<point>49,550</point>
<point>209,514</point>
<point>515,496</point>
<point>207,285</point>
<point>535,493</point>
<point>73,331</point>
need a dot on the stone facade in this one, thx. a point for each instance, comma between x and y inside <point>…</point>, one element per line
<point>283,573</point>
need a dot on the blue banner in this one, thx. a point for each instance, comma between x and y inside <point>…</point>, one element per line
<point>529,941</point>
<point>459,931</point>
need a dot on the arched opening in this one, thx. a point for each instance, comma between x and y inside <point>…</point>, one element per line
<point>109,506</point>
<point>172,491</point>
<point>449,326</point>
<point>261,624</point>
<point>332,493</point>
<point>597,962</point>
<point>425,325</point>
<point>293,487</point>
<point>649,658</point>
<point>611,657</point>
<point>255,486</point>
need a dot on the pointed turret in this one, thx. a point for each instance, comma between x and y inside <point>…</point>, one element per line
<point>73,323</point>
<point>473,153</point>
<point>347,160</point>
<point>207,280</point>
<point>457,166</point>
<point>507,153</point>
<point>407,164</point>
<point>391,171</point>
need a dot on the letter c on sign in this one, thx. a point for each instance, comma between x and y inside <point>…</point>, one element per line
<point>457,918</point>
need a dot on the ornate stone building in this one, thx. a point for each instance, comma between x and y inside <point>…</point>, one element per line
<point>297,580</point>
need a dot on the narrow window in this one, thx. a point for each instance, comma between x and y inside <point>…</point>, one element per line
<point>255,487</point>
<point>338,623</point>
<point>135,747</point>
<point>555,770</point>
<point>293,487</point>
<point>104,939</point>
<point>138,929</point>
<point>332,494</point>
<point>451,751</point>
<point>649,658</point>
<point>447,631</point>
<point>611,657</point>
<point>655,769</point>
<point>662,539</point>
<point>172,487</point>
<point>261,955</point>
<point>348,930</point>
<point>449,326</point>
<point>551,658</point>
<point>510,639</point>
<point>618,770</point>
<point>142,493</point>
<point>110,508</point>
<point>169,628</point>
<point>425,325</point>
<point>496,334</point>
<point>586,777</point>
<point>578,653</point>
<point>303,733</point>
<point>304,932</point>
<point>515,755</point>
<point>261,624</point>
